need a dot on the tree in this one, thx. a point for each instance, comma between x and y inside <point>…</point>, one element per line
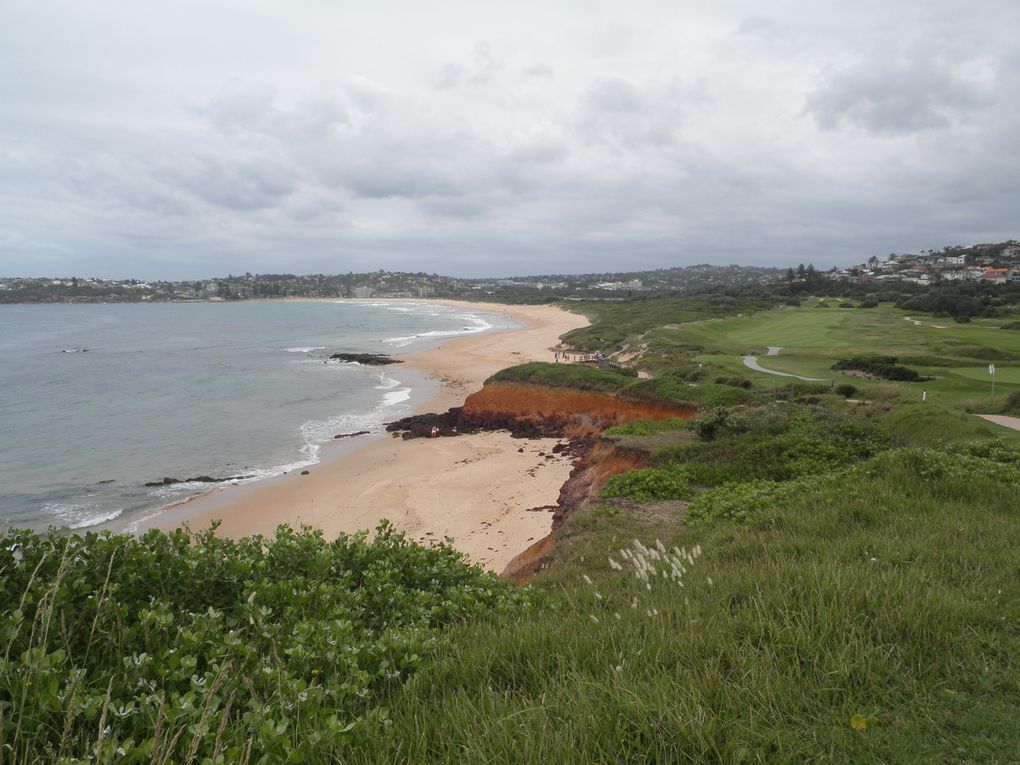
<point>790,275</point>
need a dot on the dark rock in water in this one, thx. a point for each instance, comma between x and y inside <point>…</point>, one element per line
<point>305,472</point>
<point>351,435</point>
<point>457,421</point>
<point>167,481</point>
<point>371,359</point>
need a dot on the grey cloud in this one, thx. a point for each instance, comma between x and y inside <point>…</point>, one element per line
<point>542,152</point>
<point>249,184</point>
<point>458,207</point>
<point>757,25</point>
<point>252,108</point>
<point>451,76</point>
<point>894,98</point>
<point>572,141</point>
<point>484,63</point>
<point>619,112</point>
<point>543,71</point>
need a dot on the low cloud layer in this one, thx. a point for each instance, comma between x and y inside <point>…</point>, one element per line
<point>207,138</point>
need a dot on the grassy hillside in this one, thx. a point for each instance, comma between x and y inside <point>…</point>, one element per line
<point>872,624</point>
<point>813,339</point>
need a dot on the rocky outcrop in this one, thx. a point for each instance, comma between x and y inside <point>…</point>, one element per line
<point>371,359</point>
<point>197,479</point>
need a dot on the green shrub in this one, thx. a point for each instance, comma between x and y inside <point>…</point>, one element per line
<point>884,367</point>
<point>736,381</point>
<point>983,352</point>
<point>956,471</point>
<point>1012,405</point>
<point>709,394</point>
<point>178,647</point>
<point>648,427</point>
<point>579,376</point>
<point>708,423</point>
<point>777,443</point>
<point>649,483</point>
<point>739,501</point>
<point>797,390</point>
<point>846,390</point>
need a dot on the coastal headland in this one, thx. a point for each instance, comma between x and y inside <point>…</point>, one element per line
<point>482,490</point>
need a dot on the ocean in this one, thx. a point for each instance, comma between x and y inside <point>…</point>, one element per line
<point>97,400</point>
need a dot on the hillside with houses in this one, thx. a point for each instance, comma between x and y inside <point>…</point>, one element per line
<point>985,263</point>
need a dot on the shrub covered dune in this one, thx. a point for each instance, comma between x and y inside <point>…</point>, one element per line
<point>792,578</point>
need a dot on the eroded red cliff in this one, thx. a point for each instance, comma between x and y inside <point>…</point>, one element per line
<point>533,411</point>
<point>571,413</point>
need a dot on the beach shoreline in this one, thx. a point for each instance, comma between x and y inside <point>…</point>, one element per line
<point>478,490</point>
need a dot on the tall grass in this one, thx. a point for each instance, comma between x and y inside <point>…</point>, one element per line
<point>873,622</point>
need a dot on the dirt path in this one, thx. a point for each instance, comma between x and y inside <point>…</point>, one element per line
<point>751,362</point>
<point>1001,419</point>
<point>917,323</point>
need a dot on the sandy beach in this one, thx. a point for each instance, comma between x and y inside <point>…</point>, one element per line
<point>479,490</point>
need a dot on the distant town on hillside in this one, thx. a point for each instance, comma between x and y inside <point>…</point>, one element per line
<point>981,263</point>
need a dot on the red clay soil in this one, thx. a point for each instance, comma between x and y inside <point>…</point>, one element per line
<point>525,565</point>
<point>577,413</point>
<point>602,460</point>
<point>533,411</point>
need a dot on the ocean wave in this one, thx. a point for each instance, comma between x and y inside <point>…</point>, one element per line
<point>317,432</point>
<point>79,515</point>
<point>426,309</point>
<point>396,397</point>
<point>478,324</point>
<point>386,383</point>
<point>305,349</point>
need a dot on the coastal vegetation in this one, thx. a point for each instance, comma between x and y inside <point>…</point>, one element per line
<point>576,376</point>
<point>195,648</point>
<point>883,367</point>
<point>805,571</point>
<point>867,617</point>
<point>857,599</point>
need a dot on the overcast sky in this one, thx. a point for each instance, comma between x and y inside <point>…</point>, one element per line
<point>192,138</point>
